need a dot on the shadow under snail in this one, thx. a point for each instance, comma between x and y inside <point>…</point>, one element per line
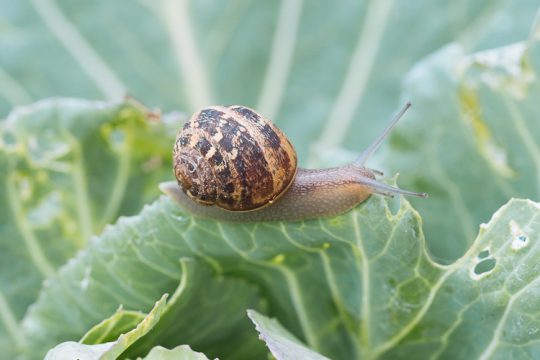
<point>233,164</point>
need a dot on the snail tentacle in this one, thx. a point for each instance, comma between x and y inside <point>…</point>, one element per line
<point>385,189</point>
<point>366,154</point>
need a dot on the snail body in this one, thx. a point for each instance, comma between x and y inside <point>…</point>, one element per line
<point>233,164</point>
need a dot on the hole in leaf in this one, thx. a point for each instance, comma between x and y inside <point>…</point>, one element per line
<point>519,241</point>
<point>519,237</point>
<point>485,266</point>
<point>483,254</point>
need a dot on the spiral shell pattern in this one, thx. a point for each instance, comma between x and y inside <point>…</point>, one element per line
<point>234,158</point>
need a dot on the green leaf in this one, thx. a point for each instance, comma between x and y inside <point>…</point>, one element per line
<point>309,272</point>
<point>194,314</point>
<point>111,328</point>
<point>323,70</point>
<point>182,352</point>
<point>484,305</point>
<point>358,285</point>
<point>280,341</point>
<point>111,350</point>
<point>68,168</point>
<point>471,140</point>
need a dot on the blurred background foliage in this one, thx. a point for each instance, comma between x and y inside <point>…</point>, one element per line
<point>328,73</point>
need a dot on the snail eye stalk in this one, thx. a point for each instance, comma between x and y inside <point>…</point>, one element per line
<point>366,154</point>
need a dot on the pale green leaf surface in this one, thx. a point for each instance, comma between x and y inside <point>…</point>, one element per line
<point>73,350</point>
<point>68,168</point>
<point>109,350</point>
<point>112,327</point>
<point>194,314</point>
<point>472,138</point>
<point>369,292</point>
<point>282,344</point>
<point>182,352</point>
<point>197,314</point>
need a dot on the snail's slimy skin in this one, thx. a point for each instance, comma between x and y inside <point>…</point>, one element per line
<point>313,194</point>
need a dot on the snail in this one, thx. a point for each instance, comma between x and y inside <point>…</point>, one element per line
<point>233,164</point>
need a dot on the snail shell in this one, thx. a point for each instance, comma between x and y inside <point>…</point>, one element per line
<point>234,158</point>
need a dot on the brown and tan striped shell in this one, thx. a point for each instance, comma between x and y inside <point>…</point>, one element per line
<point>234,158</point>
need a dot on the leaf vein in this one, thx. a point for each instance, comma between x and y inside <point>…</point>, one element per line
<point>358,74</point>
<point>30,240</point>
<point>177,20</point>
<point>90,61</point>
<point>281,56</point>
